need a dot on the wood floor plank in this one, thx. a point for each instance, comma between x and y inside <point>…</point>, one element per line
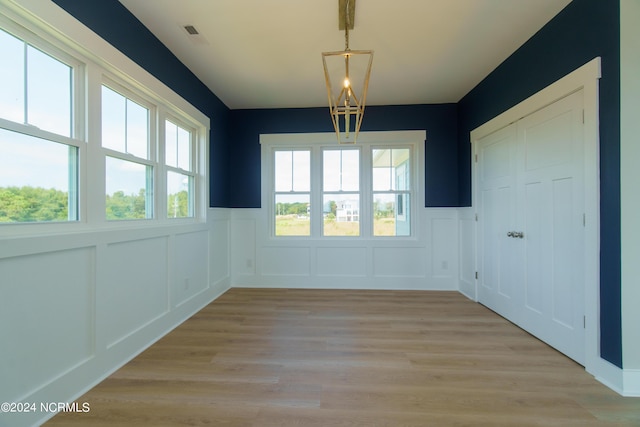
<point>333,358</point>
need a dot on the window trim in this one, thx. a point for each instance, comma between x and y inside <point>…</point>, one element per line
<point>152,205</point>
<point>271,197</point>
<point>410,192</point>
<point>189,126</point>
<point>318,141</point>
<point>77,123</point>
<point>360,192</point>
<point>275,193</point>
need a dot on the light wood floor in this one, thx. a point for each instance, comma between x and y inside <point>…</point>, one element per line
<point>323,358</point>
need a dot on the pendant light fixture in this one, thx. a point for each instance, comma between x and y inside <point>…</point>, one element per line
<point>347,78</point>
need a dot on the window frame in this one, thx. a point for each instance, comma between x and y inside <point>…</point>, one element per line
<point>77,127</point>
<point>274,193</point>
<point>396,192</point>
<point>151,204</point>
<point>189,126</point>
<point>367,141</point>
<point>342,147</point>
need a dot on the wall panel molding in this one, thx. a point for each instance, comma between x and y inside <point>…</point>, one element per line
<point>429,261</point>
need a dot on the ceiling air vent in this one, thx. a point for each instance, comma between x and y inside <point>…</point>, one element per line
<point>194,35</point>
<point>191,30</point>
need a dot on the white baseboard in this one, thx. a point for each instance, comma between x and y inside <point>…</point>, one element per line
<point>625,382</point>
<point>631,382</point>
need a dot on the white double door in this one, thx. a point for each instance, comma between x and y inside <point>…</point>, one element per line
<point>530,197</point>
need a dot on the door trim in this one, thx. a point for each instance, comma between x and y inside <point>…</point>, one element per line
<point>586,78</point>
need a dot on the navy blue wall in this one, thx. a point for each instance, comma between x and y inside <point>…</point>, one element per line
<point>114,23</point>
<point>584,30</point>
<point>441,155</point>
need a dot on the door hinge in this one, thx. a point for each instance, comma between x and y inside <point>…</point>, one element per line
<point>476,217</point>
<point>584,322</point>
<point>584,219</point>
<point>476,158</point>
<point>582,116</point>
<point>476,275</point>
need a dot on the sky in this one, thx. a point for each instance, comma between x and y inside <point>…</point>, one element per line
<point>26,160</point>
<point>46,105</point>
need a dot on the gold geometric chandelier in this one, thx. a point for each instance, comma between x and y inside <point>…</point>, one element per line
<point>345,72</point>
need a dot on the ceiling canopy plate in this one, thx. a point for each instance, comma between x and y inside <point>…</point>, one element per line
<point>341,13</point>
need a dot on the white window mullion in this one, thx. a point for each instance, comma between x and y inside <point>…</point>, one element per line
<point>78,158</point>
<point>366,197</point>
<point>92,167</point>
<point>162,169</point>
<point>73,209</point>
<point>150,192</point>
<point>26,84</point>
<point>316,192</point>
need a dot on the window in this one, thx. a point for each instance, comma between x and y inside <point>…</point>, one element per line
<point>292,196</point>
<point>128,172</point>
<point>341,192</point>
<point>321,189</point>
<point>39,161</point>
<point>180,177</point>
<point>391,191</point>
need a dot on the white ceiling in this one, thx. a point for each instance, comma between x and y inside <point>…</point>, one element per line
<point>267,53</point>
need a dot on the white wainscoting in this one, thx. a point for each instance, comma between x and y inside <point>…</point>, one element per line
<point>219,242</point>
<point>46,315</point>
<point>427,261</point>
<point>134,286</point>
<point>467,252</point>
<point>76,307</point>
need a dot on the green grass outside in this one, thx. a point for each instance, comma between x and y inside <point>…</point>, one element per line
<point>291,225</point>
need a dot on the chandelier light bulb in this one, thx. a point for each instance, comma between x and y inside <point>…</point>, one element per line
<point>347,83</point>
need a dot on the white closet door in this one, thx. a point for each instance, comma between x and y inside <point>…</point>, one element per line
<point>530,224</point>
<point>550,208</point>
<point>497,194</point>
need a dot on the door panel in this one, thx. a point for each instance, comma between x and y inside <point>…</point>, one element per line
<point>542,147</point>
<point>496,154</point>
<point>563,308</point>
<point>503,214</point>
<point>550,213</point>
<point>536,260</point>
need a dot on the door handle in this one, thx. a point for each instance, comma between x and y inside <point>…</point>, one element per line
<point>510,234</point>
<point>518,234</point>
